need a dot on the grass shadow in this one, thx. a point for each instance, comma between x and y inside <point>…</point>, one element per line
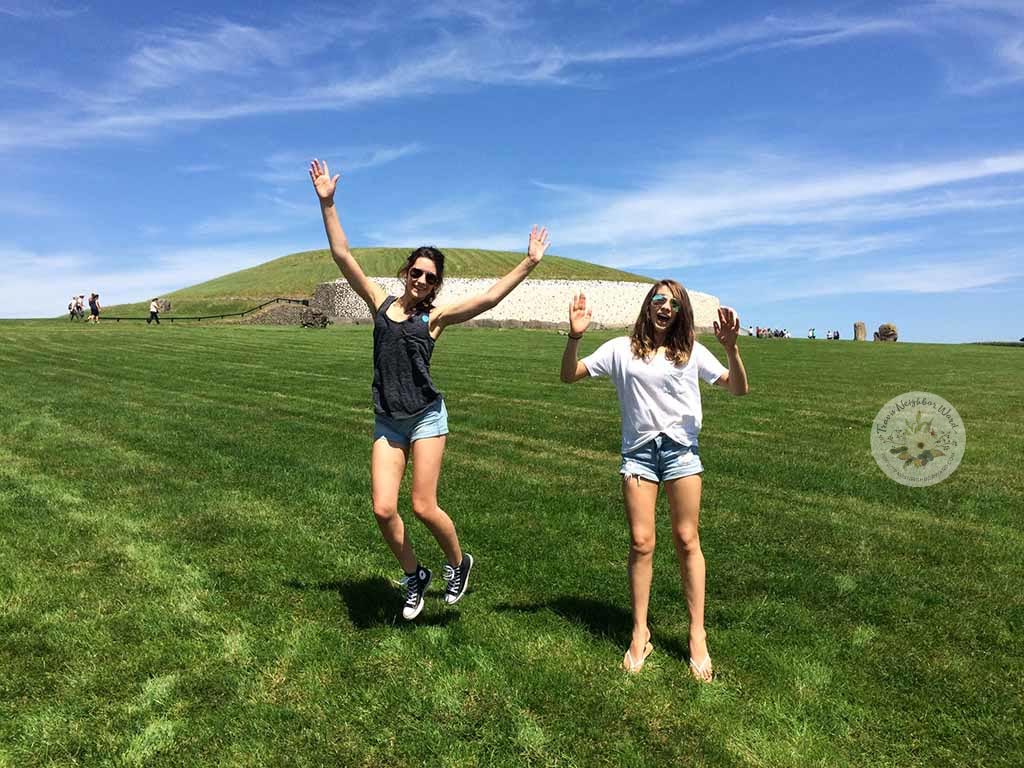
<point>376,602</point>
<point>602,619</point>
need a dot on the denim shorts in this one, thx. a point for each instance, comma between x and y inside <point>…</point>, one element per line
<point>431,423</point>
<point>661,459</point>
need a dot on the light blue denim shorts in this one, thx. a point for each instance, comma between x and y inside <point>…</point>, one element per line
<point>431,423</point>
<point>661,459</point>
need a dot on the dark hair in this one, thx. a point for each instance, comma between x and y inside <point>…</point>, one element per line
<point>678,338</point>
<point>432,253</point>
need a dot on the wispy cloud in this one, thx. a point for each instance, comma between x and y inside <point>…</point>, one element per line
<point>452,223</point>
<point>194,168</point>
<point>36,10</point>
<point>490,14</point>
<point>289,167</point>
<point>911,278</point>
<point>223,70</point>
<point>729,198</point>
<point>39,284</point>
<point>992,34</point>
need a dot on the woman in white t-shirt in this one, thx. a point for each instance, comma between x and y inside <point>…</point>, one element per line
<point>656,372</point>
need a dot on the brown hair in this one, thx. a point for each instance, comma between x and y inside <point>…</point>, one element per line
<point>426,252</point>
<point>678,338</point>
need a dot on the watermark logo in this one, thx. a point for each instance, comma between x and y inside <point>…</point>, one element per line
<point>918,439</point>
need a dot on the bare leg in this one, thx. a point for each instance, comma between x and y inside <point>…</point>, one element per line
<point>640,496</point>
<point>387,465</point>
<point>426,469</point>
<point>684,501</point>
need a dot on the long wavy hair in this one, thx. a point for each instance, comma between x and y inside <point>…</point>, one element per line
<point>678,338</point>
<point>435,255</point>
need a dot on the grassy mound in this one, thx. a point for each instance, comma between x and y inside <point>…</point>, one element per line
<point>298,274</point>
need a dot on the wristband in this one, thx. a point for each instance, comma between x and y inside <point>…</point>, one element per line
<point>575,338</point>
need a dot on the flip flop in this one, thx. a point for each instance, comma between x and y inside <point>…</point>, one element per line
<point>698,669</point>
<point>635,666</point>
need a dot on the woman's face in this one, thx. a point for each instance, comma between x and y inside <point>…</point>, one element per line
<point>663,309</point>
<point>421,278</point>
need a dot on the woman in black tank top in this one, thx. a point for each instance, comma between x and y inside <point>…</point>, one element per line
<point>411,417</point>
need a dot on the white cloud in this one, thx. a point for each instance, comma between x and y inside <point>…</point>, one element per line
<point>451,223</point>
<point>922,277</point>
<point>37,10</point>
<point>728,198</point>
<point>38,285</point>
<point>194,168</point>
<point>227,70</point>
<point>290,167</point>
<point>234,226</point>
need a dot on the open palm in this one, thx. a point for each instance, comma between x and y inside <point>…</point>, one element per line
<point>538,244</point>
<point>322,181</point>
<point>579,315</point>
<point>727,327</point>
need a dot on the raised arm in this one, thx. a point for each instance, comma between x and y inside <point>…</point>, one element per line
<point>579,320</point>
<point>454,314</point>
<point>727,329</point>
<point>324,185</point>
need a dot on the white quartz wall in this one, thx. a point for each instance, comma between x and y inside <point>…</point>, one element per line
<point>615,304</point>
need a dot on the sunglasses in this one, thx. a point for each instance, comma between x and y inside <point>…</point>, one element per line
<point>659,299</point>
<point>416,273</point>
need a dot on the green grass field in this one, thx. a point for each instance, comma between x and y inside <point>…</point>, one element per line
<point>298,274</point>
<point>192,576</point>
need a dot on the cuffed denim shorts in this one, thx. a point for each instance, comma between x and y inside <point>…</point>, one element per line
<point>661,459</point>
<point>431,423</point>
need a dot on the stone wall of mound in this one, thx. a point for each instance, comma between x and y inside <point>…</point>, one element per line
<point>535,303</point>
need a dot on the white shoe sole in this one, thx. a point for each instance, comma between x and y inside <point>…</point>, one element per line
<point>409,616</point>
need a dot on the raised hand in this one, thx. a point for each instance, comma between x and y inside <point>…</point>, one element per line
<point>322,181</point>
<point>727,327</point>
<point>579,315</point>
<point>538,244</point>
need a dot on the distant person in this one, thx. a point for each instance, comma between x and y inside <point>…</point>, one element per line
<point>72,314</point>
<point>656,371</point>
<point>94,308</point>
<point>810,333</point>
<point>154,311</point>
<point>80,306</point>
<point>411,416</point>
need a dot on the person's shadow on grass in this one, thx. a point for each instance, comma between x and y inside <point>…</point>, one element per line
<point>602,619</point>
<point>376,602</point>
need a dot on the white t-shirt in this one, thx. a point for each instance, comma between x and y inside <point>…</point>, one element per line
<point>153,307</point>
<point>655,396</point>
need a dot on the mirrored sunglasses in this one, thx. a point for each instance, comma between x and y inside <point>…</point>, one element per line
<point>660,298</point>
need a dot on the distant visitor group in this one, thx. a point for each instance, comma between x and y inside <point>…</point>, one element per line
<point>783,333</point>
<point>76,309</point>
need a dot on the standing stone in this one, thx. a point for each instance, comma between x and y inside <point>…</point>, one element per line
<point>860,331</point>
<point>886,332</point>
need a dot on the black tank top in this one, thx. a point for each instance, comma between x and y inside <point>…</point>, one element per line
<point>402,387</point>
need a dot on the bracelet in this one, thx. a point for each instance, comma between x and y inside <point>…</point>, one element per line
<point>575,338</point>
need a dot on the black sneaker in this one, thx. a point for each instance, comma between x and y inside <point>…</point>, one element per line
<point>415,587</point>
<point>458,579</point>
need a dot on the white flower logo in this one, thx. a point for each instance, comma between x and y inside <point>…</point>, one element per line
<point>918,443</point>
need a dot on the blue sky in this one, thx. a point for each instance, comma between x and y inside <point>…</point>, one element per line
<point>812,164</point>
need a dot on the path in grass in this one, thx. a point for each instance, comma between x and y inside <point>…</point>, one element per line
<point>192,575</point>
